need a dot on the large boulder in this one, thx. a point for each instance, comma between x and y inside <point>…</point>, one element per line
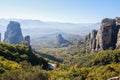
<point>13,35</point>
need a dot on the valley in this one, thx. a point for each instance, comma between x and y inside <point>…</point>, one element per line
<point>59,40</point>
<point>61,56</point>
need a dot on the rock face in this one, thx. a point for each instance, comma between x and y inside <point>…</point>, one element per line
<point>13,35</point>
<point>107,36</point>
<point>27,38</point>
<point>61,42</point>
<point>26,41</point>
<point>91,40</point>
<point>118,40</point>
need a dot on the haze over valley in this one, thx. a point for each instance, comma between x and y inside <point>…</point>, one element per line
<point>43,33</point>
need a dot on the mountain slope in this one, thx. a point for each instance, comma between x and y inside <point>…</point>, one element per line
<point>19,53</point>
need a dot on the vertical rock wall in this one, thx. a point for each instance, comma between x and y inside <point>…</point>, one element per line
<point>107,36</point>
<point>91,40</point>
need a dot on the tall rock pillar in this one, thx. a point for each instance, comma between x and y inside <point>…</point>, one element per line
<point>27,38</point>
<point>107,35</point>
<point>90,41</point>
<point>13,35</point>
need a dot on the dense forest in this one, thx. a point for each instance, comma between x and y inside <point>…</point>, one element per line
<point>93,66</point>
<point>78,65</point>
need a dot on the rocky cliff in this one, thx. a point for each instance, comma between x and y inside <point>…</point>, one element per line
<point>107,36</point>
<point>13,35</point>
<point>118,40</point>
<point>90,40</point>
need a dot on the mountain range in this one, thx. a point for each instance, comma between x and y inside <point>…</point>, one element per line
<point>40,29</point>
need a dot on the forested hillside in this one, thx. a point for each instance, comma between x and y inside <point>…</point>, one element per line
<point>18,62</point>
<point>92,66</point>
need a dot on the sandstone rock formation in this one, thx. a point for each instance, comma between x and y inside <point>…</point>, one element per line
<point>27,38</point>
<point>107,36</point>
<point>118,40</point>
<point>13,35</point>
<point>118,36</point>
<point>91,40</point>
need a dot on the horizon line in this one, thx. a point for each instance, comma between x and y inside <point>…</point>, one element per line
<point>66,22</point>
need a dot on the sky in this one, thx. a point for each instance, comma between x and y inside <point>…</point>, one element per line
<point>72,11</point>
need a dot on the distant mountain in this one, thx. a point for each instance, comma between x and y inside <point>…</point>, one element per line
<point>53,40</point>
<point>37,28</point>
<point>61,42</point>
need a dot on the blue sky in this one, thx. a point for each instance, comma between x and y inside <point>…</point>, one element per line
<point>73,11</point>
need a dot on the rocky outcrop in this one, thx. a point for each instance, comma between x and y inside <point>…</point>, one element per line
<point>118,36</point>
<point>51,66</point>
<point>13,35</point>
<point>107,36</point>
<point>27,38</point>
<point>26,41</point>
<point>91,40</point>
<point>61,42</point>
